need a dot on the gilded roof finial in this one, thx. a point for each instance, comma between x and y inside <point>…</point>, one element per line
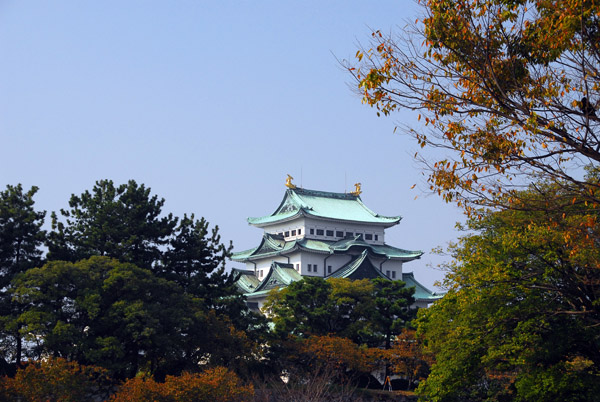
<point>288,182</point>
<point>356,189</point>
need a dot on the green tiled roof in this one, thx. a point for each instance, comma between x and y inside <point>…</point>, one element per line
<point>359,268</point>
<point>421,292</point>
<point>246,281</point>
<point>273,245</point>
<point>380,249</point>
<point>270,245</point>
<point>279,275</point>
<point>321,204</point>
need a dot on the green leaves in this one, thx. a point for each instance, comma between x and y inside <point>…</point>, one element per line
<point>363,311</point>
<point>521,315</point>
<point>98,309</point>
<point>21,237</point>
<point>501,86</point>
<point>122,222</point>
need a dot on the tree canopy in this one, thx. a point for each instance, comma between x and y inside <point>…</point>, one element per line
<point>21,236</point>
<point>127,287</point>
<point>508,93</point>
<point>122,222</point>
<point>508,88</point>
<point>521,319</point>
<point>353,309</point>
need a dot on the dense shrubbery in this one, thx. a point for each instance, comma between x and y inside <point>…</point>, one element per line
<point>216,384</point>
<point>56,380</point>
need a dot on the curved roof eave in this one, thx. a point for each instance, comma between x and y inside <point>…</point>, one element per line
<point>323,205</point>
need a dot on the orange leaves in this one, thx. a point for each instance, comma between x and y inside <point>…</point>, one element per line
<point>406,357</point>
<point>335,352</point>
<point>55,379</point>
<point>215,384</point>
<point>495,83</point>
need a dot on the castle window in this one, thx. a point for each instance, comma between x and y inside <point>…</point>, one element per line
<point>309,267</point>
<point>393,274</point>
<point>369,236</point>
<point>315,268</point>
<point>297,267</point>
<point>387,273</point>
<point>286,234</point>
<point>330,233</point>
<point>376,237</point>
<point>319,232</point>
<point>329,269</point>
<point>299,232</point>
<point>312,231</point>
<point>339,233</point>
<point>349,234</point>
<point>293,233</point>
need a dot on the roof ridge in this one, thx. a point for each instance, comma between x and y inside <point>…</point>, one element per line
<point>327,194</point>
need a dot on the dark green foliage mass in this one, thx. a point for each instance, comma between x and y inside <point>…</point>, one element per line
<point>364,311</point>
<point>122,222</point>
<point>195,260</point>
<point>521,319</point>
<point>104,312</point>
<point>127,287</point>
<point>391,311</point>
<point>21,236</point>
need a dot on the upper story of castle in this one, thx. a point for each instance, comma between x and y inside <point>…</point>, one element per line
<point>322,215</point>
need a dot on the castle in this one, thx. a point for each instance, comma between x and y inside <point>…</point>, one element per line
<point>324,234</point>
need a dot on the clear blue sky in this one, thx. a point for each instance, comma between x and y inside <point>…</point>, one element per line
<point>210,104</point>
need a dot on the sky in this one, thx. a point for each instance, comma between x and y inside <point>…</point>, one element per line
<point>211,105</point>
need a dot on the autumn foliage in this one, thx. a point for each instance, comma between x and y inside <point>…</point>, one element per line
<point>58,380</point>
<point>509,89</point>
<point>216,384</point>
<point>55,380</point>
<point>405,358</point>
<point>340,354</point>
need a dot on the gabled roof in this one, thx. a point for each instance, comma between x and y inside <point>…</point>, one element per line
<point>273,245</point>
<point>382,250</point>
<point>359,267</point>
<point>321,204</point>
<point>270,245</point>
<point>246,281</point>
<point>279,275</point>
<point>421,292</point>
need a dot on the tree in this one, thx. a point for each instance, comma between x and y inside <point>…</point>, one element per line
<point>392,311</point>
<point>314,306</point>
<point>364,311</point>
<point>21,236</point>
<point>217,384</point>
<point>404,358</point>
<point>121,222</point>
<point>302,308</point>
<point>124,318</point>
<point>107,313</point>
<point>56,380</point>
<point>510,89</point>
<point>196,260</point>
<point>521,319</point>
